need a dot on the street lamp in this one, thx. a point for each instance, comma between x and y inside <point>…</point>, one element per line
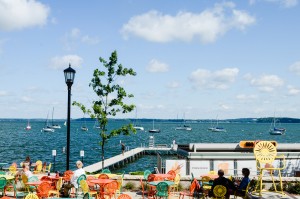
<point>69,78</point>
<point>54,154</point>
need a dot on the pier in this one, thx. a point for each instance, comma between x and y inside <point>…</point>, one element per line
<point>129,156</point>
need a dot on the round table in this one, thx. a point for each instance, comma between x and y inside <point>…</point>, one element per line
<point>8,177</point>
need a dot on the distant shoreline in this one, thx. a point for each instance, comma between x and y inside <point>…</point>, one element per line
<point>146,120</point>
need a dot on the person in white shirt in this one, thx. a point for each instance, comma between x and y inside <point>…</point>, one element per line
<point>77,173</point>
<point>25,171</point>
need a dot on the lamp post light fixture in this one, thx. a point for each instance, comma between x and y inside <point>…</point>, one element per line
<point>54,154</point>
<point>82,155</point>
<point>69,79</point>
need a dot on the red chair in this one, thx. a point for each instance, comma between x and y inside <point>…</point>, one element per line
<point>68,175</point>
<point>124,196</point>
<point>190,193</point>
<point>43,190</point>
<point>110,189</point>
<point>173,175</point>
<point>150,193</point>
<point>103,176</point>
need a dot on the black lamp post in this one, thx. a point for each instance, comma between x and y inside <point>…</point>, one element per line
<point>69,78</point>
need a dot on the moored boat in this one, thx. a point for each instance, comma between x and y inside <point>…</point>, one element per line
<point>28,127</point>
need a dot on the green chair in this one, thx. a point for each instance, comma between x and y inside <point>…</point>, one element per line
<point>81,177</point>
<point>162,190</point>
<point>106,171</point>
<point>146,174</point>
<point>18,193</point>
<point>2,185</point>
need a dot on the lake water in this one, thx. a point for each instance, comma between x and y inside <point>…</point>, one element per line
<point>16,143</point>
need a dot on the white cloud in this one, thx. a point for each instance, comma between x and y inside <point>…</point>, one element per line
<point>72,38</point>
<point>224,106</point>
<point>26,99</point>
<point>207,26</point>
<point>63,62</point>
<point>90,40</point>
<point>221,79</point>
<point>3,93</point>
<point>173,84</point>
<point>285,3</point>
<point>267,83</point>
<point>244,97</point>
<point>293,90</point>
<point>156,66</point>
<point>295,68</point>
<point>19,14</point>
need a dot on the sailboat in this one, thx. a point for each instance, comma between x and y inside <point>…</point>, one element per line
<point>276,130</point>
<point>137,127</point>
<point>217,128</point>
<point>28,127</point>
<point>54,126</point>
<point>84,126</point>
<point>96,125</point>
<point>47,128</point>
<point>154,130</point>
<point>184,126</point>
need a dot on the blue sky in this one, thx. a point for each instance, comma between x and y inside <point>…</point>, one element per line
<point>194,59</point>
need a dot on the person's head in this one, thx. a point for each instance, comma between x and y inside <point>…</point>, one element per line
<point>27,159</point>
<point>221,172</point>
<point>246,172</point>
<point>79,164</point>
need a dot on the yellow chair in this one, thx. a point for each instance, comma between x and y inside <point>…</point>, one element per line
<point>240,193</point>
<point>219,192</point>
<point>48,168</point>
<point>266,153</point>
<point>31,196</point>
<point>176,183</point>
<point>39,167</point>
<point>55,192</point>
<point>12,170</point>
<point>85,189</point>
<point>120,184</point>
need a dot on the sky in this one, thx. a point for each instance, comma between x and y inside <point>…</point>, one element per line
<point>194,59</point>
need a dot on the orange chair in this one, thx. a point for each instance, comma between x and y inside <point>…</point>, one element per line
<point>110,189</point>
<point>92,186</point>
<point>56,189</point>
<point>193,186</point>
<point>150,193</point>
<point>173,174</point>
<point>68,175</point>
<point>103,176</point>
<point>43,190</point>
<point>124,196</point>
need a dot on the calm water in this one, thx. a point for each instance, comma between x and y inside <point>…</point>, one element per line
<point>16,143</point>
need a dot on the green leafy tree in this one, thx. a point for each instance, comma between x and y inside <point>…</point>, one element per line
<point>110,100</point>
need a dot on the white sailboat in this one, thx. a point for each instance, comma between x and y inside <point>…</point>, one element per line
<point>136,126</point>
<point>96,125</point>
<point>54,126</point>
<point>84,126</point>
<point>184,126</point>
<point>47,127</point>
<point>28,127</point>
<point>276,130</point>
<point>217,128</point>
<point>154,130</point>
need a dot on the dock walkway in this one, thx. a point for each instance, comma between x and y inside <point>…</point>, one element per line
<point>123,159</point>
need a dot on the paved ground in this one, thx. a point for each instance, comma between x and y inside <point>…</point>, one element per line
<point>266,195</point>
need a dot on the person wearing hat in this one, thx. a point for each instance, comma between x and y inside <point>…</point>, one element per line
<point>77,173</point>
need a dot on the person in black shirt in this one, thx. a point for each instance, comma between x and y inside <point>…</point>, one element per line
<point>123,148</point>
<point>221,180</point>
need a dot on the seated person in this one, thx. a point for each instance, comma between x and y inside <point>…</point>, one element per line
<point>25,171</point>
<point>244,183</point>
<point>77,173</point>
<point>221,180</point>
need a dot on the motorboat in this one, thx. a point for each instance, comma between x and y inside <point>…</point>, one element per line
<point>184,128</point>
<point>139,128</point>
<point>84,128</point>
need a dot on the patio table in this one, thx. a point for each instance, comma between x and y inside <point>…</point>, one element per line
<point>101,183</point>
<point>8,177</point>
